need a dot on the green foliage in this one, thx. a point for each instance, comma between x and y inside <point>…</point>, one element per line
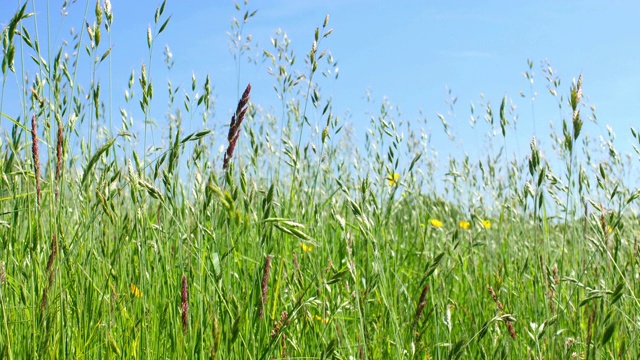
<point>309,244</point>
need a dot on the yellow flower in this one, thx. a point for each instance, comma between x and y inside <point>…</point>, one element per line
<point>465,224</point>
<point>435,223</point>
<point>316,317</point>
<point>393,179</point>
<point>135,291</point>
<point>609,229</point>
<point>305,247</point>
<point>486,224</point>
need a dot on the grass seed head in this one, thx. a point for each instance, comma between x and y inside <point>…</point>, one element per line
<point>264,286</point>
<point>36,156</point>
<point>234,126</point>
<point>422,302</point>
<point>185,304</point>
<point>3,274</point>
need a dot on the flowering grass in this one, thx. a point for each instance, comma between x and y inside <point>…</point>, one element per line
<point>296,242</point>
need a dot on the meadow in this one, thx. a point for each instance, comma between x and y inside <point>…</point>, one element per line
<point>293,241</point>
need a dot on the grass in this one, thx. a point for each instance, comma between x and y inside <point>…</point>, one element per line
<point>300,243</point>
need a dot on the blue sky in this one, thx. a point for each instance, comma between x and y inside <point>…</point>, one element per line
<point>409,52</point>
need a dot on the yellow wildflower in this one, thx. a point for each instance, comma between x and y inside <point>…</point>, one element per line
<point>465,224</point>
<point>435,223</point>
<point>393,179</point>
<point>316,317</point>
<point>135,291</point>
<point>305,247</point>
<point>486,224</point>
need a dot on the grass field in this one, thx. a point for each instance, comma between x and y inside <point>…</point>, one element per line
<point>294,242</point>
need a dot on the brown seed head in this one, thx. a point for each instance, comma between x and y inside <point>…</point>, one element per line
<point>36,156</point>
<point>234,126</point>
<point>421,304</point>
<point>185,304</point>
<point>264,285</point>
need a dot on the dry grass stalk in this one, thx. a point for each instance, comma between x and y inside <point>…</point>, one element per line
<point>234,126</point>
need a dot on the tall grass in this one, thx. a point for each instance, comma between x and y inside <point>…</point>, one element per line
<point>297,242</point>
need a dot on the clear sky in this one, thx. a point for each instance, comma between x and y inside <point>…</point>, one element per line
<point>407,51</point>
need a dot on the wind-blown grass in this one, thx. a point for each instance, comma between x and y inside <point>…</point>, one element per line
<point>302,244</point>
